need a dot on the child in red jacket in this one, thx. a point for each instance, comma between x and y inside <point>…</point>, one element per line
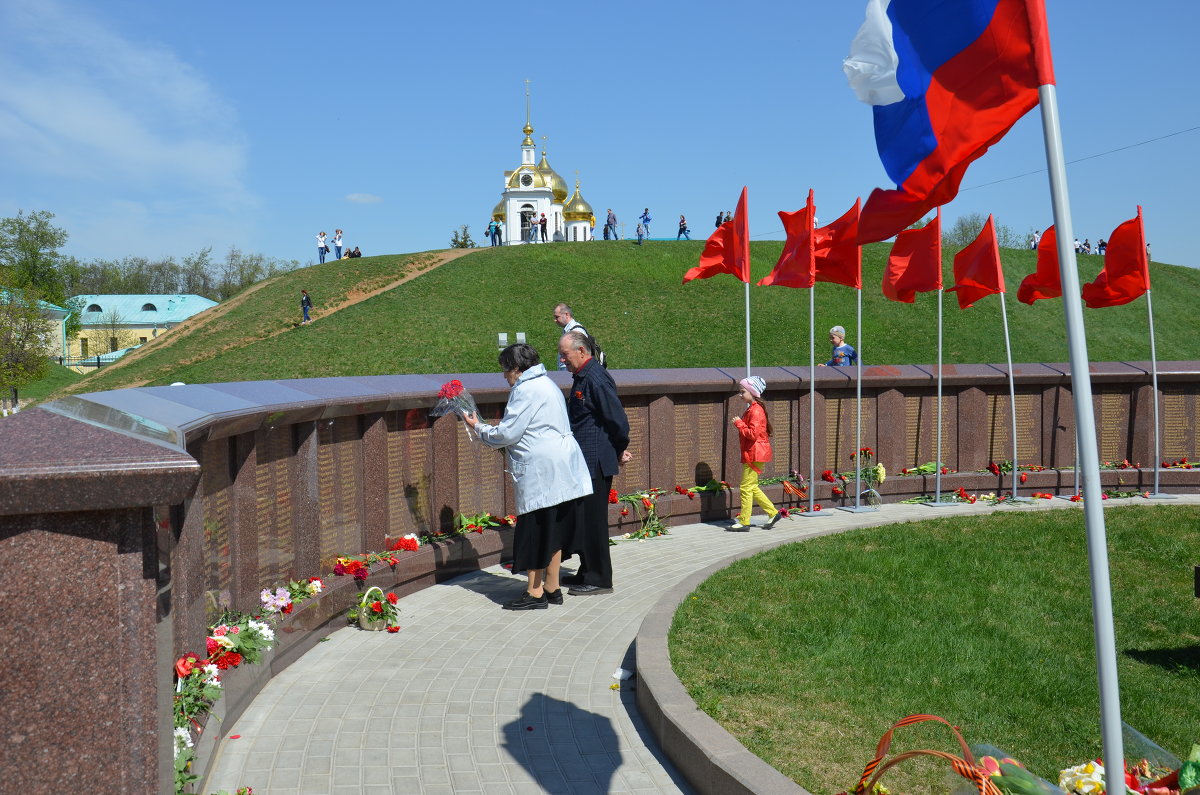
<point>754,431</point>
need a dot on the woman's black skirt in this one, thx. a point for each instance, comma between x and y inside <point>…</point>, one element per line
<point>543,532</point>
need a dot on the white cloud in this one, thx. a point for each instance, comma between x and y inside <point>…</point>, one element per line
<point>81,102</point>
<point>363,198</point>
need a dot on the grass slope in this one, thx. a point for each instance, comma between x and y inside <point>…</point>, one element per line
<point>632,299</point>
<point>807,653</point>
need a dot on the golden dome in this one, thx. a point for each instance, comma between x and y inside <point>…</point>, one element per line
<point>557,183</point>
<point>577,209</point>
<point>498,211</point>
<point>539,180</point>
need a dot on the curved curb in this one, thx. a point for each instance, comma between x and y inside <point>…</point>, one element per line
<point>710,758</point>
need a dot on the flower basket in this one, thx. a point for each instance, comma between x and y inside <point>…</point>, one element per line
<point>964,765</point>
<point>375,611</point>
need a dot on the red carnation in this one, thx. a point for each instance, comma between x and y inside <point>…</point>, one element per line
<point>377,607</point>
<point>624,511</point>
<point>392,598</point>
<point>361,574</point>
<point>828,475</point>
<point>691,495</point>
<point>287,609</point>
<point>612,495</point>
<point>837,492</point>
<point>339,569</point>
<point>646,501</point>
<point>451,390</point>
<point>993,468</point>
<point>1024,477</point>
<point>393,629</point>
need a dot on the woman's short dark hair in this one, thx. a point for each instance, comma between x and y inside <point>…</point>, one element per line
<point>520,355</point>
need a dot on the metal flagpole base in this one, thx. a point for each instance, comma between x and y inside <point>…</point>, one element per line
<point>822,514</point>
<point>857,509</point>
<point>1158,495</point>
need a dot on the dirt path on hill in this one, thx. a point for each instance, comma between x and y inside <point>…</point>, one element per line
<point>213,315</point>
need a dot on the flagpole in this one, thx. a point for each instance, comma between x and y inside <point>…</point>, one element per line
<point>1012,402</point>
<point>812,407</point>
<point>747,327</point>
<point>938,471</point>
<point>1156,494</point>
<point>1085,443</point>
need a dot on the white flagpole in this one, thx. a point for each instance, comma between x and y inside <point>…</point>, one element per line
<point>938,463</point>
<point>1012,402</point>
<point>1156,494</point>
<point>812,407</point>
<point>747,326</point>
<point>1085,442</point>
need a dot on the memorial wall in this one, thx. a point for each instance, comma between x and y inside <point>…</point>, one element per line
<point>220,490</point>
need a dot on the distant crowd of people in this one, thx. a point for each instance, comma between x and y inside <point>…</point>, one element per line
<point>1086,247</point>
<point>326,245</point>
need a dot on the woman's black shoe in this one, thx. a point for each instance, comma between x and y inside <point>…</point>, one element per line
<point>554,597</point>
<point>527,601</point>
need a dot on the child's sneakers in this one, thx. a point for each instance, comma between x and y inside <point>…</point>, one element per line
<point>738,527</point>
<point>774,520</point>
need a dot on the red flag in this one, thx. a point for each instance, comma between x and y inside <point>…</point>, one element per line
<point>797,264</point>
<point>727,249</point>
<point>977,270</point>
<point>838,257</point>
<point>1046,281</point>
<point>1126,273</point>
<point>947,80</point>
<point>915,264</point>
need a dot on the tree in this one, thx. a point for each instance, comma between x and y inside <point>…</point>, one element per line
<point>29,255</point>
<point>462,238</point>
<point>116,335</point>
<point>24,341</point>
<point>966,228</point>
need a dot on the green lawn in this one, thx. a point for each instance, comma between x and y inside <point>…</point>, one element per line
<point>808,653</point>
<point>57,377</point>
<point>632,299</point>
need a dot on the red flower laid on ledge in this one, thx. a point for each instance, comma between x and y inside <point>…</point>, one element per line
<point>994,468</point>
<point>612,496</point>
<point>827,475</point>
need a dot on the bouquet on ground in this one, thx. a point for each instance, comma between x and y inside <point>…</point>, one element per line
<point>376,610</point>
<point>869,473</point>
<point>454,397</point>
<point>645,506</point>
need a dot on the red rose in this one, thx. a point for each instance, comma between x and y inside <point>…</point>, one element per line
<point>393,629</point>
<point>392,598</point>
<point>612,495</point>
<point>186,664</point>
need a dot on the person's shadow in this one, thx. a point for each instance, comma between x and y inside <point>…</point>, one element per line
<point>566,749</point>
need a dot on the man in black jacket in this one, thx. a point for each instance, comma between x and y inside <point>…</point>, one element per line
<point>601,428</point>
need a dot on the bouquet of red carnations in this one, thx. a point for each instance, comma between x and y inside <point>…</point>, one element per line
<point>453,396</point>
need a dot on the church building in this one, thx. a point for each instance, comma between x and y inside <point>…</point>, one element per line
<point>533,190</point>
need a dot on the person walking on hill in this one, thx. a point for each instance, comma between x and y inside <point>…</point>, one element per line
<point>754,434</point>
<point>683,229</point>
<point>645,219</point>
<point>610,225</point>
<point>843,355</point>
<point>305,306</point>
<point>322,247</point>
<point>720,220</point>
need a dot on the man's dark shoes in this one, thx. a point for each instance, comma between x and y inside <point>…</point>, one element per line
<point>571,579</point>
<point>527,601</point>
<point>554,597</point>
<point>588,590</point>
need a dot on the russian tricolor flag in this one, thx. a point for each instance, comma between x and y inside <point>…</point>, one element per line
<point>947,79</point>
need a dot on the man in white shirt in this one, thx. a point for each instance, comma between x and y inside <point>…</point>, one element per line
<point>567,322</point>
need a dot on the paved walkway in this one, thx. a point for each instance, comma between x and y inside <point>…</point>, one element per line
<point>469,698</point>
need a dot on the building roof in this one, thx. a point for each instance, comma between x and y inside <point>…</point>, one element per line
<point>53,311</point>
<point>156,309</point>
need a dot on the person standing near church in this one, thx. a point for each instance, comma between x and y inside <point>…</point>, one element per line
<point>321,247</point>
<point>542,224</point>
<point>645,219</point>
<point>601,428</point>
<point>499,232</point>
<point>610,225</point>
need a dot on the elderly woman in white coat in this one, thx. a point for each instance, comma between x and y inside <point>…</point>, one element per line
<point>548,471</point>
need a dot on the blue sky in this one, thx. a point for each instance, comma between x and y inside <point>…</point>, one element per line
<point>156,129</point>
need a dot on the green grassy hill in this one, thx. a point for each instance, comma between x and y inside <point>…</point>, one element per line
<point>632,299</point>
